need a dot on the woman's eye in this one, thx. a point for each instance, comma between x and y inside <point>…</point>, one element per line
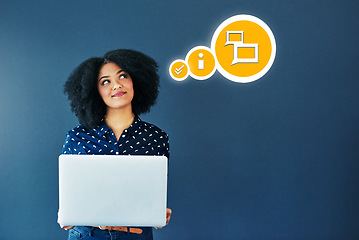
<point>122,76</point>
<point>104,82</point>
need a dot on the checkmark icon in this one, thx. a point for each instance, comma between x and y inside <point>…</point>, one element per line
<point>179,70</point>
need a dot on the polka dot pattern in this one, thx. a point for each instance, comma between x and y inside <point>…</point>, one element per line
<point>141,138</point>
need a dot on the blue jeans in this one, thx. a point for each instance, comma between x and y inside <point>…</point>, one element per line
<point>92,233</point>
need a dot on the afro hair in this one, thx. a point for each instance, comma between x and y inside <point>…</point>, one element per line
<point>81,86</point>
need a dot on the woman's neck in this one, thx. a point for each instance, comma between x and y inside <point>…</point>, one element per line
<point>119,120</point>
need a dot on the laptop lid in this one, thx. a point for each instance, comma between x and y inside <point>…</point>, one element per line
<point>112,190</point>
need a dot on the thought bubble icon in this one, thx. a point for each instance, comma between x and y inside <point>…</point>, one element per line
<point>243,49</point>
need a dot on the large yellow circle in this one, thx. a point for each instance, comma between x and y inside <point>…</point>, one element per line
<point>252,34</point>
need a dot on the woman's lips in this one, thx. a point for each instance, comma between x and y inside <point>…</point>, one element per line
<point>119,94</point>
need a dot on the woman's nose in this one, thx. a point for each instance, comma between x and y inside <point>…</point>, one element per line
<point>116,86</point>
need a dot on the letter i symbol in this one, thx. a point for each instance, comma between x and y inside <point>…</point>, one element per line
<point>200,62</point>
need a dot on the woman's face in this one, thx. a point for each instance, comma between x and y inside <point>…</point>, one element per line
<point>115,86</point>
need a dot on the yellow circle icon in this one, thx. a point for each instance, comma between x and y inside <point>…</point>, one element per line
<point>201,62</point>
<point>178,70</point>
<point>244,47</point>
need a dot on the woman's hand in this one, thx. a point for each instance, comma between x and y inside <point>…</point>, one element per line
<point>168,216</point>
<point>67,227</point>
<point>64,227</point>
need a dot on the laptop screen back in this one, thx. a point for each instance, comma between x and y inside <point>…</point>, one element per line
<point>112,190</point>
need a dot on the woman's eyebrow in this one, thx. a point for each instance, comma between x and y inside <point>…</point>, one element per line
<point>109,76</point>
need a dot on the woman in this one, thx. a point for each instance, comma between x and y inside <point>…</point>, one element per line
<point>107,95</point>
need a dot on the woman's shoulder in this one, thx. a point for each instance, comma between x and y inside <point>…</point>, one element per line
<point>82,130</point>
<point>155,140</point>
<point>79,138</point>
<point>77,129</point>
<point>151,128</point>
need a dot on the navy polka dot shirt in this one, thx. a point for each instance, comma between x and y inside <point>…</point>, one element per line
<point>140,138</point>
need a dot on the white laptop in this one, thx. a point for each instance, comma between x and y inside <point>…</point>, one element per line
<point>112,190</point>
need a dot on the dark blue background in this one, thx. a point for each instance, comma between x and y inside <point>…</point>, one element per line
<point>272,159</point>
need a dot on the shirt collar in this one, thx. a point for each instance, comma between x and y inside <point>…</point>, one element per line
<point>136,125</point>
<point>103,128</point>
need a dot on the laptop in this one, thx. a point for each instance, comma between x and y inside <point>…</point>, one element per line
<point>112,190</point>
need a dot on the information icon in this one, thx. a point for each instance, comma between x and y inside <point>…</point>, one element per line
<point>201,62</point>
